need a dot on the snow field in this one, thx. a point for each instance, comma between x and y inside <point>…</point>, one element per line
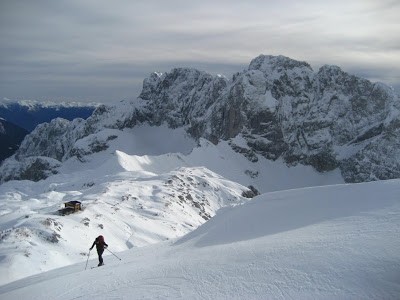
<point>347,250</point>
<point>132,198</point>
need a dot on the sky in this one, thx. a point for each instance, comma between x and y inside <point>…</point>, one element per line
<point>99,50</point>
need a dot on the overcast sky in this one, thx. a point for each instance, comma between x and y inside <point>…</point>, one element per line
<point>102,50</point>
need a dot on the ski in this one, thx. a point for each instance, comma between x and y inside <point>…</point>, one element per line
<point>97,266</point>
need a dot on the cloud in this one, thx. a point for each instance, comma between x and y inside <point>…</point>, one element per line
<point>105,49</point>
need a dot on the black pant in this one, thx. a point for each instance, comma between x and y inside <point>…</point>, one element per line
<point>100,253</point>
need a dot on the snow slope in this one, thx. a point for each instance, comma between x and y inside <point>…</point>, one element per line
<point>332,242</point>
<point>133,199</point>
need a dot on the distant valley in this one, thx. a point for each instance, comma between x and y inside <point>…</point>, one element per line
<point>18,118</point>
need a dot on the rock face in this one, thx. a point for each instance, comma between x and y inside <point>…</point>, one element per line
<point>283,109</point>
<point>33,168</point>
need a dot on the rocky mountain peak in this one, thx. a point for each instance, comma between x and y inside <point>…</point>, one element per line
<point>280,106</point>
<point>269,64</point>
<point>330,70</point>
<point>181,95</point>
<point>149,85</point>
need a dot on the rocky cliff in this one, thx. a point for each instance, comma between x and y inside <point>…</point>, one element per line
<point>283,109</point>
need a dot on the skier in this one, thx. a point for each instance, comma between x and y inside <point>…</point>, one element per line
<point>100,246</point>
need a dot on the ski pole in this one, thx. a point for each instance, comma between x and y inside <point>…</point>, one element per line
<point>113,254</point>
<point>87,259</point>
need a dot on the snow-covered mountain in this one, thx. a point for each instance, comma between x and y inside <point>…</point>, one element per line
<point>328,119</point>
<point>156,168</point>
<point>280,107</point>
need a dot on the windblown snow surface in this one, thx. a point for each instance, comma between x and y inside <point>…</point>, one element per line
<point>325,242</point>
<point>307,235</point>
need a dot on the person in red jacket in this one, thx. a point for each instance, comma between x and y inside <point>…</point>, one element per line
<point>100,246</point>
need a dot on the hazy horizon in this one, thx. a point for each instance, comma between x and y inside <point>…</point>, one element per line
<point>102,51</point>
